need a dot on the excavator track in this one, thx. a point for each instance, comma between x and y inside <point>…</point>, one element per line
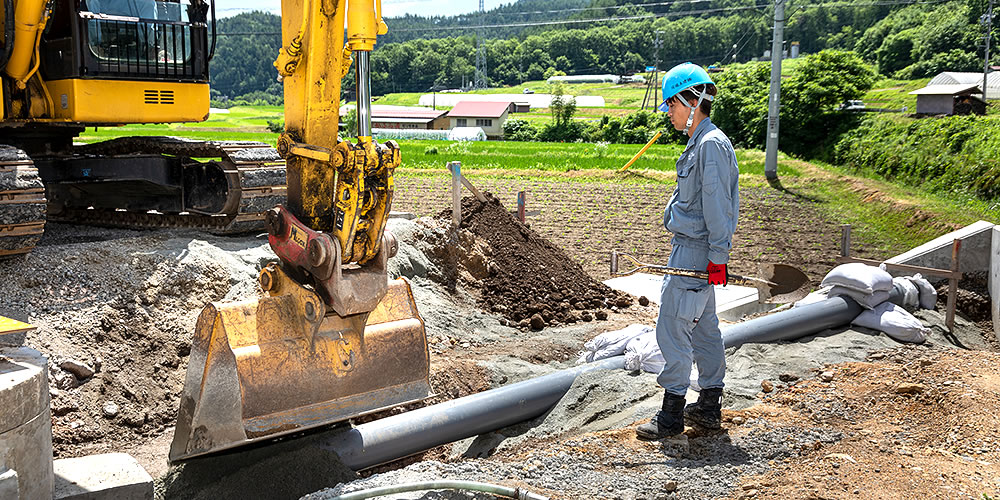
<point>22,203</point>
<point>254,173</point>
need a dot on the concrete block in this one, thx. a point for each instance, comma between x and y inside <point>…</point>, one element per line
<point>977,242</point>
<point>8,484</point>
<point>732,302</point>
<point>25,421</point>
<point>115,476</point>
<point>995,281</point>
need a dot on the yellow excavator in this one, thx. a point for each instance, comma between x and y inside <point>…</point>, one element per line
<point>333,338</point>
<point>70,64</point>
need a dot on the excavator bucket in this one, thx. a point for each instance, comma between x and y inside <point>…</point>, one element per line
<point>277,365</point>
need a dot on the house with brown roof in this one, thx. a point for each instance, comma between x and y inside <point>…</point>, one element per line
<point>402,117</point>
<point>484,114</point>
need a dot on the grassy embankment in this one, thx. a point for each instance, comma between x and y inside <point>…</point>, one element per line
<point>884,213</point>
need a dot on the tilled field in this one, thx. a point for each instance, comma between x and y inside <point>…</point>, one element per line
<point>589,219</point>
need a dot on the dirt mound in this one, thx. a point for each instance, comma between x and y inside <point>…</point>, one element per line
<point>918,423</point>
<point>115,310</point>
<point>528,280</point>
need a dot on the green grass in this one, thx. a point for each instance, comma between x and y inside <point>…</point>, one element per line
<point>894,94</point>
<point>241,123</point>
<point>893,223</point>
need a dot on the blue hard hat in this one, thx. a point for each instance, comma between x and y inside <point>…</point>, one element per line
<point>682,77</point>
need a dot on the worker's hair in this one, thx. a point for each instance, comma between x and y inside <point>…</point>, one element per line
<point>706,105</point>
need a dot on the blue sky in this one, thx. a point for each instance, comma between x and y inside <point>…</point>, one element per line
<point>227,8</point>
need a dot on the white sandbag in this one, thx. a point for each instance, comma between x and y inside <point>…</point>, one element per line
<point>643,353</point>
<point>866,300</point>
<point>911,296</point>
<point>610,343</point>
<point>814,297</point>
<point>928,295</point>
<point>860,277</point>
<point>895,322</point>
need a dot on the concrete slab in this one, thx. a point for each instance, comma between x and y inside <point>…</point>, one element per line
<point>732,302</point>
<point>994,283</point>
<point>977,241</point>
<point>25,421</point>
<point>8,484</point>
<point>109,476</point>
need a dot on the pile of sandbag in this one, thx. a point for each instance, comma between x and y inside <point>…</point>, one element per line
<point>870,287</point>
<point>636,342</point>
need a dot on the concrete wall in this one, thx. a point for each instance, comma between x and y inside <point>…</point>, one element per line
<point>936,104</point>
<point>977,243</point>
<point>25,421</point>
<point>995,280</point>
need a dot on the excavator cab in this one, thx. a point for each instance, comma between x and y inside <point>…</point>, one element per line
<point>333,338</point>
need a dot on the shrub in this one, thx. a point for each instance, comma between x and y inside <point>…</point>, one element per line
<point>516,129</point>
<point>431,150</point>
<point>276,126</point>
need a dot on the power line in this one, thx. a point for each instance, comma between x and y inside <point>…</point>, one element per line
<point>886,3</point>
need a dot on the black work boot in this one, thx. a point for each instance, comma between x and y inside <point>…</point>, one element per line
<point>669,421</point>
<point>707,412</point>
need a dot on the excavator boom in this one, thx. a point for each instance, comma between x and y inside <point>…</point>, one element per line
<point>333,338</point>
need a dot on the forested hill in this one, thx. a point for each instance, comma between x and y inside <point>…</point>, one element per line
<point>904,39</point>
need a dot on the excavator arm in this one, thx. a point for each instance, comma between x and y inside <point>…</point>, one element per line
<point>333,338</point>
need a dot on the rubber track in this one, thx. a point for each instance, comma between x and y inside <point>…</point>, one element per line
<point>255,171</point>
<point>22,203</point>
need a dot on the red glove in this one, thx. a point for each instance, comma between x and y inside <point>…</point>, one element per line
<point>717,274</point>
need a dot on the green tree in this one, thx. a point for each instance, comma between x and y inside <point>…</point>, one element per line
<point>810,120</point>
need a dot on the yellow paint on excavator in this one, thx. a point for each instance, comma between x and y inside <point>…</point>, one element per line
<point>277,365</point>
<point>8,325</point>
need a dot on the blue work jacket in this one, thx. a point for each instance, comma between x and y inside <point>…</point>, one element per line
<point>705,205</point>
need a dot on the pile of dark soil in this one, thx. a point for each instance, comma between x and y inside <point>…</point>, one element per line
<point>529,281</point>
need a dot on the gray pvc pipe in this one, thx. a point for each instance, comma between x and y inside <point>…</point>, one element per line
<point>799,321</point>
<point>398,436</point>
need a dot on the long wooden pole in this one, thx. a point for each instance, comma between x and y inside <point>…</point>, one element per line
<point>641,151</point>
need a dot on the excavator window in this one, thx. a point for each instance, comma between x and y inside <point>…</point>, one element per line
<point>143,37</point>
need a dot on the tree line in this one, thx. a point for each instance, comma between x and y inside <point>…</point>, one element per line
<point>909,41</point>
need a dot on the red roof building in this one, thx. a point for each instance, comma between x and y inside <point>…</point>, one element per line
<point>488,115</point>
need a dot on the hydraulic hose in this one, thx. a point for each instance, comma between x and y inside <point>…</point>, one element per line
<point>493,489</point>
<point>8,32</point>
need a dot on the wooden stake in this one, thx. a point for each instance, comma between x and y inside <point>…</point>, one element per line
<point>522,200</point>
<point>456,192</point>
<point>845,240</point>
<point>468,185</point>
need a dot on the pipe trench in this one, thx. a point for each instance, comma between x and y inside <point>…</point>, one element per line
<point>398,436</point>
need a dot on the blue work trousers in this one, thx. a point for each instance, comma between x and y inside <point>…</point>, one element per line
<point>687,327</point>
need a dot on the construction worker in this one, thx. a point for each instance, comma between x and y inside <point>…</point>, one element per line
<point>702,215</point>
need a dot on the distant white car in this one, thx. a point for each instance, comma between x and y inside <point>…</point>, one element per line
<point>852,105</point>
<point>527,91</point>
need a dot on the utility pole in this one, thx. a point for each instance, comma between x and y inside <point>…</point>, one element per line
<point>774,98</point>
<point>481,81</point>
<point>989,33</point>
<point>651,96</point>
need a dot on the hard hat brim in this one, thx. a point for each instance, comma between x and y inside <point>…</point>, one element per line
<point>664,107</point>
